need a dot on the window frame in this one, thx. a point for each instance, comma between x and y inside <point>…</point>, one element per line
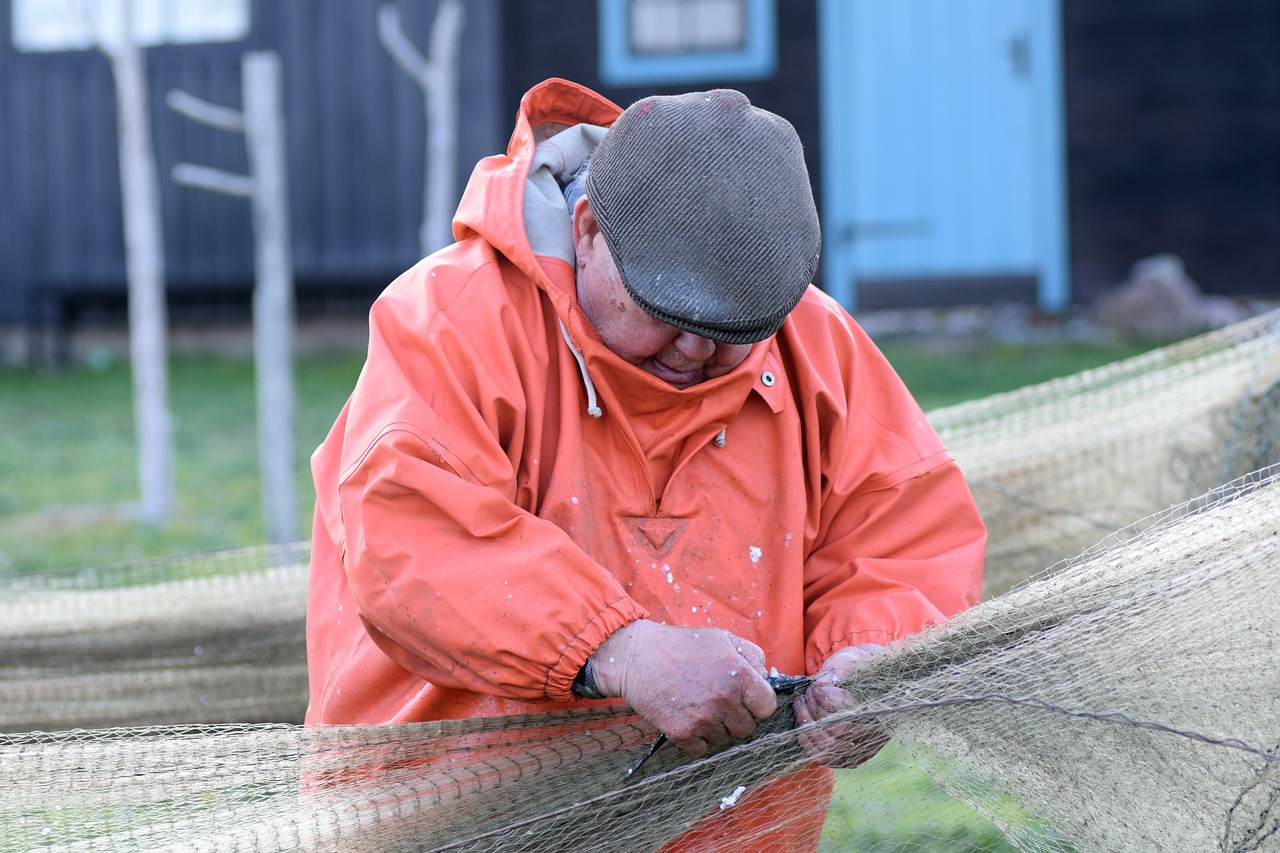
<point>76,40</point>
<point>621,66</point>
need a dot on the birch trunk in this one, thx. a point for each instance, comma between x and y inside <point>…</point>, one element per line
<point>273,303</point>
<point>262,123</point>
<point>438,78</point>
<point>440,194</point>
<point>144,263</point>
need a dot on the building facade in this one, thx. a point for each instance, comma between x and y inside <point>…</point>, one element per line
<point>960,152</point>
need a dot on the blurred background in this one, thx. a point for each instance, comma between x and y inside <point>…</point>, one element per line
<point>1037,185</point>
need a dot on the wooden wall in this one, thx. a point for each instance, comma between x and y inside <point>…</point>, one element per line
<point>1172,116</point>
<point>538,46</point>
<point>1173,139</point>
<point>355,126</point>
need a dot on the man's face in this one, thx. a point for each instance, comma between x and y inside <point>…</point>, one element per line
<point>673,355</point>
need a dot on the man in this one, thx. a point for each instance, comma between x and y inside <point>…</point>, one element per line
<point>619,447</point>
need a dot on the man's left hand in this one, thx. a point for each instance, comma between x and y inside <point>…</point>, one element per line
<point>847,743</point>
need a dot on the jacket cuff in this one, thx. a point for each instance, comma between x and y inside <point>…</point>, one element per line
<point>618,614</point>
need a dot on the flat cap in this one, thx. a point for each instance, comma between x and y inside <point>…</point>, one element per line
<point>705,204</point>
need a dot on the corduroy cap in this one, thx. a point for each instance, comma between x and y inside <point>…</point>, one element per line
<point>705,204</point>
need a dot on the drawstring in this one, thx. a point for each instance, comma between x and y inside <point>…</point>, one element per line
<point>592,408</point>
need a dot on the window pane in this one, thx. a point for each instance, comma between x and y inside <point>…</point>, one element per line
<point>670,26</point>
<point>205,20</point>
<point>655,26</point>
<point>718,24</point>
<point>44,25</point>
<point>666,41</point>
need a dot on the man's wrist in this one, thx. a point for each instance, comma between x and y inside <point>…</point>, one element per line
<point>584,685</point>
<point>610,660</point>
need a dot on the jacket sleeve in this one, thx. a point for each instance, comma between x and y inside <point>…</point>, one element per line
<point>453,580</point>
<point>899,543</point>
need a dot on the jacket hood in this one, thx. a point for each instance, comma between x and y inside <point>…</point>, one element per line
<point>514,201</point>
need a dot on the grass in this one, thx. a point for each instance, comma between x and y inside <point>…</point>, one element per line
<point>67,466</point>
<point>889,804</point>
<point>942,373</point>
<point>68,461</point>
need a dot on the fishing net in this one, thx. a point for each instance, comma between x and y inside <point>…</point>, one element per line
<point>204,638</point>
<point>1056,466</point>
<point>1125,701</point>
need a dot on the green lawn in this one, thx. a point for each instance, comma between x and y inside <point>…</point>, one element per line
<point>890,805</point>
<point>67,465</point>
<point>946,372</point>
<point>68,461</point>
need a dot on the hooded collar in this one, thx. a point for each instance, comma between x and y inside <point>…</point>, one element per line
<point>514,202</point>
<point>507,191</point>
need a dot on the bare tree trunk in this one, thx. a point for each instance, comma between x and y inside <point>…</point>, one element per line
<point>262,123</point>
<point>438,77</point>
<point>144,260</point>
<point>273,309</point>
<point>440,193</point>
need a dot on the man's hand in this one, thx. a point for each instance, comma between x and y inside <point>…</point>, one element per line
<point>700,686</point>
<point>844,744</point>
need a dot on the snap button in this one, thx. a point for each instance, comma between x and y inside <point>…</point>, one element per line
<point>768,378</point>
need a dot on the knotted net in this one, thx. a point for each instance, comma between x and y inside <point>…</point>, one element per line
<point>1126,699</point>
<point>202,638</point>
<point>1058,465</point>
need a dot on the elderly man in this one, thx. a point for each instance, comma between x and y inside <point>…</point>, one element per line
<point>618,447</point>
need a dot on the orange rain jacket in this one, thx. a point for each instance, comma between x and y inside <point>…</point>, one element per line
<point>500,493</point>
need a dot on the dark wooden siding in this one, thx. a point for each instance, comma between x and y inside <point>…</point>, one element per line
<point>56,228</point>
<point>356,132</point>
<point>1172,118</point>
<point>1173,136</point>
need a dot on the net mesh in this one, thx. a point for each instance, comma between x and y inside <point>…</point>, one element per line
<point>204,638</point>
<point>1124,698</point>
<point>1056,466</point>
<point>1125,701</point>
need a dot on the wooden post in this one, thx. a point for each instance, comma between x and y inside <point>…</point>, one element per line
<point>438,77</point>
<point>273,304</point>
<point>262,123</point>
<point>144,265</point>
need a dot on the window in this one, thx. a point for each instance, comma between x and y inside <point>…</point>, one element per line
<point>50,25</point>
<point>655,41</point>
<point>673,26</point>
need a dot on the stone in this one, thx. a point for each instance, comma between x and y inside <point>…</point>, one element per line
<point>1160,302</point>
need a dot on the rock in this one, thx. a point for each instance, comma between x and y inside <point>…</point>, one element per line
<point>1222,311</point>
<point>1159,301</point>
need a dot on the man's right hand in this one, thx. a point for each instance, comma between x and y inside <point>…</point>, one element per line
<point>701,687</point>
